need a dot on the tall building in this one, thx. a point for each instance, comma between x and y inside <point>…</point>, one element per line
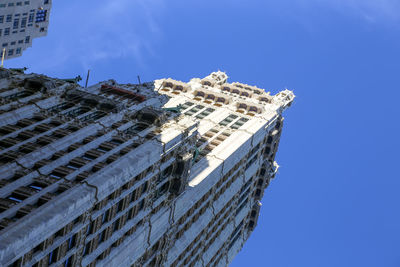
<point>20,22</point>
<point>165,173</point>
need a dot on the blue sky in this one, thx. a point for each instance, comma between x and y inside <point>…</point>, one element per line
<point>335,201</point>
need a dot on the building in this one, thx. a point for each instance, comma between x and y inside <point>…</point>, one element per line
<point>165,173</point>
<point>20,22</point>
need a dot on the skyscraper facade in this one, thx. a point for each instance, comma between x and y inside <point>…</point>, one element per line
<point>20,22</point>
<point>164,173</point>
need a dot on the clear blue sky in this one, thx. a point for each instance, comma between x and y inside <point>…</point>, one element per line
<point>336,199</point>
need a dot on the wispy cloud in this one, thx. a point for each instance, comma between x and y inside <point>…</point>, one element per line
<point>83,33</point>
<point>375,11</point>
<point>86,33</point>
<point>120,28</point>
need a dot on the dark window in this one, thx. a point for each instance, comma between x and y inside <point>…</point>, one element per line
<point>105,216</point>
<point>77,220</point>
<point>116,224</point>
<point>89,229</point>
<point>23,22</point>
<point>87,248</point>
<point>144,187</point>
<point>71,242</point>
<point>51,257</point>
<point>141,204</point>
<point>102,235</point>
<point>16,24</point>
<point>120,205</point>
<point>38,248</point>
<point>68,262</point>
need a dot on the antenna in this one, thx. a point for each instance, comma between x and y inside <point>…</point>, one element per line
<point>138,77</point>
<point>2,57</point>
<point>87,78</point>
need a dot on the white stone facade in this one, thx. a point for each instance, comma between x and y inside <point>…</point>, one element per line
<point>20,22</point>
<point>158,174</point>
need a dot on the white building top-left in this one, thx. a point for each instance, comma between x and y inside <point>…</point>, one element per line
<point>20,22</point>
